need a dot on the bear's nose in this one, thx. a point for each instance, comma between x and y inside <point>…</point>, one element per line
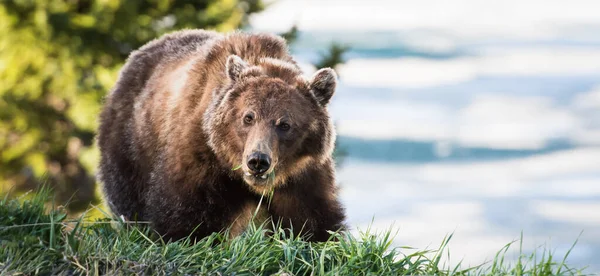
<point>259,162</point>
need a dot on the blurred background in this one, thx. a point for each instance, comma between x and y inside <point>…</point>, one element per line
<point>478,118</point>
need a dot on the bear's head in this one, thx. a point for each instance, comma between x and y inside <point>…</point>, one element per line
<point>269,123</point>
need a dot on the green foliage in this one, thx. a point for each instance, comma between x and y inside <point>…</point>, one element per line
<point>290,35</point>
<point>333,56</point>
<point>35,242</point>
<point>58,58</point>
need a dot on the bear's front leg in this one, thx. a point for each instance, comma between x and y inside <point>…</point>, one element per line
<point>308,212</point>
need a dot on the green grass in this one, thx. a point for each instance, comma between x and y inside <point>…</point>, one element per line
<point>34,240</point>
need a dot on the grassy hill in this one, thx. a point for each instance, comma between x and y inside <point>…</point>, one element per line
<point>38,239</point>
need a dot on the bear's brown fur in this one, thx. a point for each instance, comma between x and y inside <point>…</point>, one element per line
<point>189,107</point>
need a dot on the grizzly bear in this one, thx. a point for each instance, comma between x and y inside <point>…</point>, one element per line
<point>201,125</point>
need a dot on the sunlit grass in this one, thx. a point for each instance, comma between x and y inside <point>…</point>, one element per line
<point>35,240</point>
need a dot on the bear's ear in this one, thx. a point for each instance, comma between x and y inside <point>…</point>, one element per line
<point>234,66</point>
<point>322,85</point>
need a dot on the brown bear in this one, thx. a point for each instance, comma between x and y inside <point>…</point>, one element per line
<point>192,107</point>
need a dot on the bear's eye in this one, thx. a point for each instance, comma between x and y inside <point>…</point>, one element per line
<point>284,127</point>
<point>248,118</point>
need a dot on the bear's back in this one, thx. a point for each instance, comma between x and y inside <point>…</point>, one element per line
<point>122,168</point>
